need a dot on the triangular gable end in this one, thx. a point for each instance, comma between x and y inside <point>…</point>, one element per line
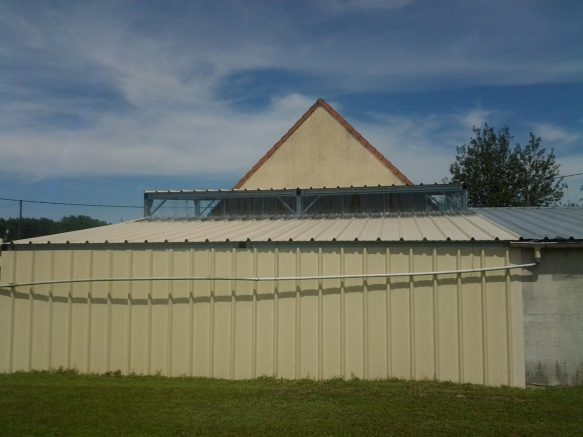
<point>322,150</point>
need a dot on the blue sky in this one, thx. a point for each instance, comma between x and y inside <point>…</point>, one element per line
<point>101,100</point>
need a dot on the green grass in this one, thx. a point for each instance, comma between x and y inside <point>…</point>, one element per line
<point>65,403</point>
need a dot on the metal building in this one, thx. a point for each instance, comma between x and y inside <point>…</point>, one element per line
<point>378,281</point>
<point>429,294</point>
<point>553,295</point>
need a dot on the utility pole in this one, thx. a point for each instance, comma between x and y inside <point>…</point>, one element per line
<point>20,220</point>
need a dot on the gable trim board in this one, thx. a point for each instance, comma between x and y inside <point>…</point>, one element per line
<point>321,103</point>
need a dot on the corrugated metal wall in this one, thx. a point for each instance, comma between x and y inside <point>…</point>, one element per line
<point>457,327</point>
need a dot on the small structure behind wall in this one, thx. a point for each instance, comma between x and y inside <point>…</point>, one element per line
<point>553,296</point>
<point>553,319</point>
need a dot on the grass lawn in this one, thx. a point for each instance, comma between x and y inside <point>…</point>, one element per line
<point>65,403</point>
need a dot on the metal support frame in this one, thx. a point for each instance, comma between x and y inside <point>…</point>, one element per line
<point>305,210</point>
<point>455,199</point>
<point>157,207</point>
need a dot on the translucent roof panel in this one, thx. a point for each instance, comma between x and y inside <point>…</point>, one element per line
<point>303,202</point>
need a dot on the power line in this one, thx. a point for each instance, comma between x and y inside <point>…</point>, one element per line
<point>71,204</point>
<point>97,205</point>
<point>569,175</point>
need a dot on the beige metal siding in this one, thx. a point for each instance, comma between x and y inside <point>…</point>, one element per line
<point>457,327</point>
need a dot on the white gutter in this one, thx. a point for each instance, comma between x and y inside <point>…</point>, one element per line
<point>537,246</point>
<point>548,244</point>
<point>270,278</point>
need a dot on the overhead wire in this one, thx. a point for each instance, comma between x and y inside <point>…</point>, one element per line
<point>46,202</point>
<point>98,205</point>
<point>568,175</point>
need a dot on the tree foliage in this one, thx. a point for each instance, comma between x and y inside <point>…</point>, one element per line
<point>498,174</point>
<point>36,227</point>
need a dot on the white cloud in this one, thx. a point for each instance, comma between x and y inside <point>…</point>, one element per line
<point>152,58</point>
<point>167,72</point>
<point>292,103</point>
<point>552,134</point>
<point>217,141</point>
<point>197,142</point>
<point>476,118</point>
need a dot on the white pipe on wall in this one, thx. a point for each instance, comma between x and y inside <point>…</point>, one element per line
<point>270,278</point>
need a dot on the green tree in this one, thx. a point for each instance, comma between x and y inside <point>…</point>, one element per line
<point>498,174</point>
<point>36,227</point>
<point>537,178</point>
<point>75,223</point>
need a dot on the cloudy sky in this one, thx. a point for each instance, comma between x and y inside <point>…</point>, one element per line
<point>101,100</point>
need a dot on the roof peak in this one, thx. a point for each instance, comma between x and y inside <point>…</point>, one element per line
<point>321,103</point>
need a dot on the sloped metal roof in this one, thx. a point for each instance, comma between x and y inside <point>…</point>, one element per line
<point>538,223</point>
<point>459,227</point>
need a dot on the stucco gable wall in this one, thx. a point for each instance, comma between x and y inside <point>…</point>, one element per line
<point>321,153</point>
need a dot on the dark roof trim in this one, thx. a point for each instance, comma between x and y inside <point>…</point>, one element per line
<point>6,247</point>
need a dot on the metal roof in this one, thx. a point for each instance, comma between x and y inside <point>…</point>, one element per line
<point>459,227</point>
<point>538,223</point>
